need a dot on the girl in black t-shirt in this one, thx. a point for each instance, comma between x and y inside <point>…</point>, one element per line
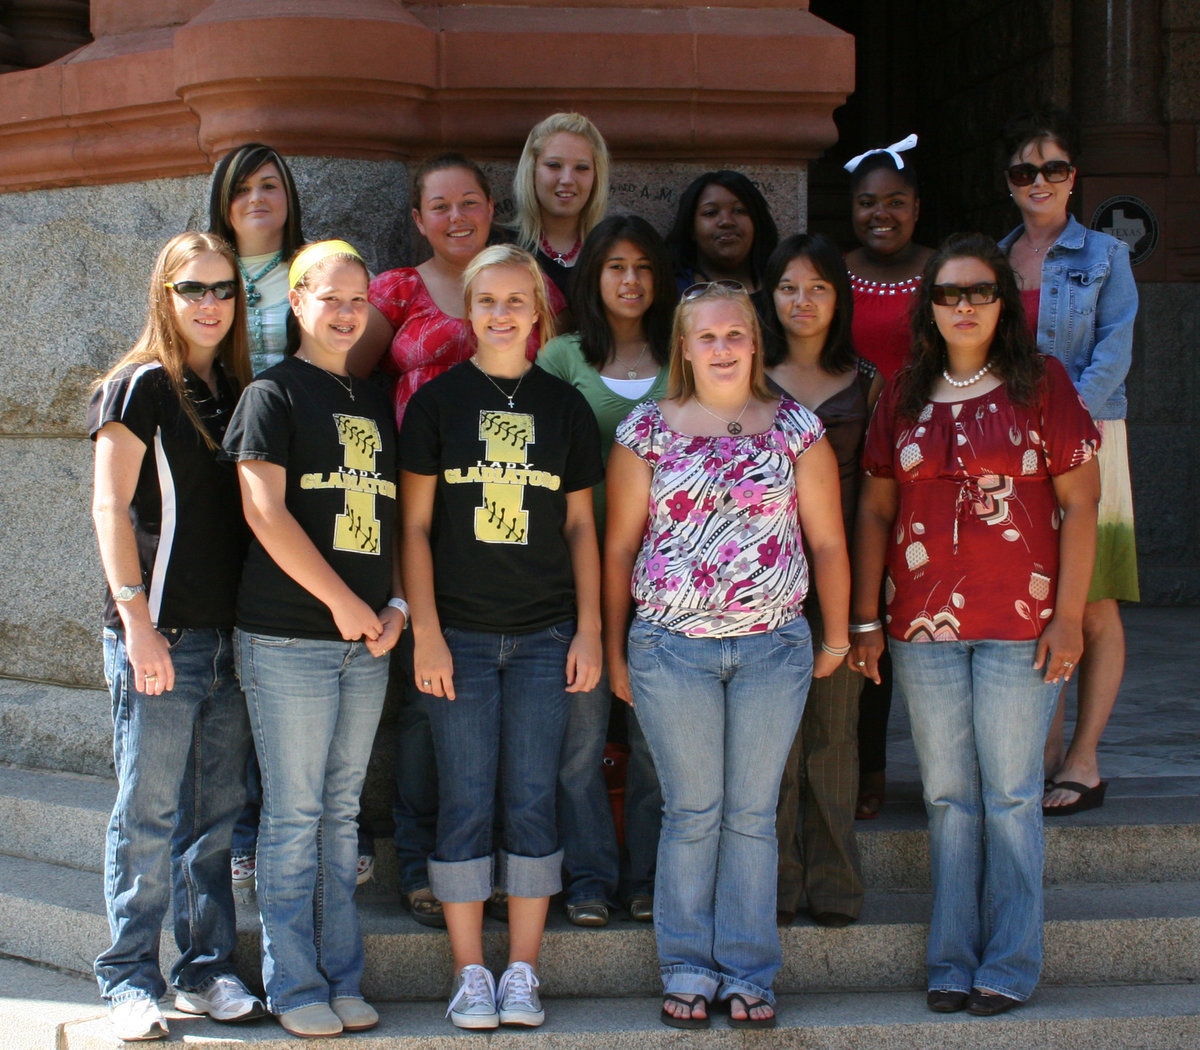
<point>316,460</point>
<point>502,567</point>
<point>171,542</point>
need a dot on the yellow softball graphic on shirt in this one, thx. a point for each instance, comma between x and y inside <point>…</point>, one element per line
<point>357,528</point>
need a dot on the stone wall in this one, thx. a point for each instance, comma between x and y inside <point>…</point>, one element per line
<point>75,264</point>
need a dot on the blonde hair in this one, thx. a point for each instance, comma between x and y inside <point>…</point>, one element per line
<point>528,221</point>
<point>511,255</point>
<point>161,340</point>
<point>681,381</point>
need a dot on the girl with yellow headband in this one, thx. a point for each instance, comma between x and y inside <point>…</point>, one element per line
<point>318,610</point>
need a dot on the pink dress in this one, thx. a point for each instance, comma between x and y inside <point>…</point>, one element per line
<point>973,551</point>
<point>427,342</point>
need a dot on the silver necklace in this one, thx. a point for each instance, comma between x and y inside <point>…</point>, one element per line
<point>631,371</point>
<point>960,383</point>
<point>507,397</point>
<point>734,426</point>
<point>347,386</point>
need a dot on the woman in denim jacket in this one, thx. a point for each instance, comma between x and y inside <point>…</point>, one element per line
<point>1080,302</point>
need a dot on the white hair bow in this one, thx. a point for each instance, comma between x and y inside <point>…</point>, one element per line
<point>894,151</point>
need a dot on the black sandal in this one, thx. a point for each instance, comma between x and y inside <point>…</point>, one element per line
<point>748,1021</point>
<point>691,1021</point>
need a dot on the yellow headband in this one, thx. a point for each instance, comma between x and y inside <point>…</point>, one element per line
<point>311,254</point>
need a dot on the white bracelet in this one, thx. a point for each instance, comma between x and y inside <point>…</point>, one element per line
<point>863,628</point>
<point>835,652</point>
<point>402,605</point>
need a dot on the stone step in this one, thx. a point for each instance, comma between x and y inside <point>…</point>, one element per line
<point>61,818</point>
<point>42,1009</point>
<point>56,727</point>
<point>1095,933</point>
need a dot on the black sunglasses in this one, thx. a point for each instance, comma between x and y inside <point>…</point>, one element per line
<point>977,294</point>
<point>195,291</point>
<point>1051,171</point>
<point>699,289</point>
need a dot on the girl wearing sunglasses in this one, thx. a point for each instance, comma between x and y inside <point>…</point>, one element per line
<point>171,538</point>
<point>318,611</point>
<point>1080,302</point>
<point>980,497</point>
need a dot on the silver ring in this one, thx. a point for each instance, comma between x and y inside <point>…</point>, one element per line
<point>427,681</point>
<point>1067,663</point>
<point>862,663</point>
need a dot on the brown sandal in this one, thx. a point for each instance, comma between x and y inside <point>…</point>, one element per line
<point>425,908</point>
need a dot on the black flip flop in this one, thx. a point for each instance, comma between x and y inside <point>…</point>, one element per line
<point>691,1002</point>
<point>1089,798</point>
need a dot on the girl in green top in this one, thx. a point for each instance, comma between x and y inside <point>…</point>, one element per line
<point>623,300</point>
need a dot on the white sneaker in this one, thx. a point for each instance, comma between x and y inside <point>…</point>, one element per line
<point>518,997</point>
<point>366,869</point>
<point>473,1004</point>
<point>224,998</point>
<point>137,1018</point>
<point>242,868</point>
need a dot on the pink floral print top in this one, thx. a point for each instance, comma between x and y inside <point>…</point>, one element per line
<point>722,552</point>
<point>974,547</point>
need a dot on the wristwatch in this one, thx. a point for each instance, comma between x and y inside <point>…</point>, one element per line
<point>127,593</point>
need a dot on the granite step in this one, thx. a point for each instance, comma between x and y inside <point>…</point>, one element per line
<point>41,1009</point>
<point>61,817</point>
<point>1095,933</point>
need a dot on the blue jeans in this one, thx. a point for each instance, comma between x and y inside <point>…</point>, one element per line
<point>180,759</point>
<point>508,720</point>
<point>415,806</point>
<point>980,714</point>
<point>643,814</point>
<point>719,715</point>
<point>314,707</point>
<point>585,824</point>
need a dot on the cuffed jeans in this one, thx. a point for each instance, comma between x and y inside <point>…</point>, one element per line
<point>508,718</point>
<point>180,759</point>
<point>719,715</point>
<point>980,713</point>
<point>314,707</point>
<point>585,824</point>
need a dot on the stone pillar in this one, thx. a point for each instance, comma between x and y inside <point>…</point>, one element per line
<point>1117,73</point>
<point>49,29</point>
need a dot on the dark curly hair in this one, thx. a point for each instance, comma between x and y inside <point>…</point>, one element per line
<point>681,238</point>
<point>595,335</point>
<point>1013,354</point>
<point>837,355</point>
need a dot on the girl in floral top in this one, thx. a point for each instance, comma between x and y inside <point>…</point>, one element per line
<point>980,495</point>
<point>708,491</point>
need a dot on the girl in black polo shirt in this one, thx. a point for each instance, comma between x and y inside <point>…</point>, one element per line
<point>172,539</point>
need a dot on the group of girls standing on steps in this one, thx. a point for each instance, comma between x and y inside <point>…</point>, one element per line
<point>732,421</point>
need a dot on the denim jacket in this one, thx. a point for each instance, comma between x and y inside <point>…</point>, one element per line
<point>1086,311</point>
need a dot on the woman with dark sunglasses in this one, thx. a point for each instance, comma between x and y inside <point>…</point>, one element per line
<point>172,539</point>
<point>979,494</point>
<point>1080,303</point>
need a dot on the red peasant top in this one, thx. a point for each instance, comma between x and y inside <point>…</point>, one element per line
<point>974,548</point>
<point>427,342</point>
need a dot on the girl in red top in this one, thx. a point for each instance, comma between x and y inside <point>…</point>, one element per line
<point>980,494</point>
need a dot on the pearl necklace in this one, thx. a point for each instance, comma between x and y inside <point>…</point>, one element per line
<point>960,383</point>
<point>507,397</point>
<point>734,426</point>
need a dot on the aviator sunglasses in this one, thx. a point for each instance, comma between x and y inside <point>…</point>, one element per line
<point>195,291</point>
<point>977,294</point>
<point>1052,171</point>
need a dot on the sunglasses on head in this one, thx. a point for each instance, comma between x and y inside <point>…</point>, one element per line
<point>699,289</point>
<point>977,294</point>
<point>195,291</point>
<point>1051,171</point>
